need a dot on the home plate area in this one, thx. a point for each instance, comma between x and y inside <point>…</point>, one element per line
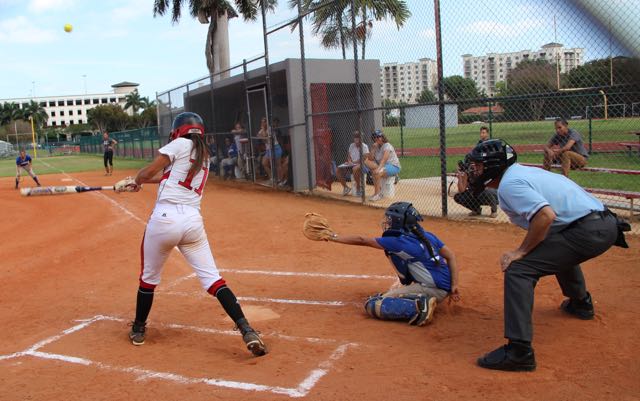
<point>194,355</point>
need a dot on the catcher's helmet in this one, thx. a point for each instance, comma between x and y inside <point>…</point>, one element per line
<point>496,156</point>
<point>185,124</point>
<point>401,216</point>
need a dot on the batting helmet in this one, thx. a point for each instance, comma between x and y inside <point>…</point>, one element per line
<point>401,216</point>
<point>185,124</point>
<point>496,156</point>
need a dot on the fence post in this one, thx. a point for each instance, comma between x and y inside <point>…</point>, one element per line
<point>305,103</point>
<point>356,71</point>
<point>400,120</point>
<point>590,131</point>
<point>443,144</point>
<point>490,120</point>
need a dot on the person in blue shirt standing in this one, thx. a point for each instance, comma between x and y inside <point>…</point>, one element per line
<point>427,268</point>
<point>565,227</point>
<point>23,162</point>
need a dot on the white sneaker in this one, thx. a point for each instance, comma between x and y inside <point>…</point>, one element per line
<point>376,197</point>
<point>346,191</point>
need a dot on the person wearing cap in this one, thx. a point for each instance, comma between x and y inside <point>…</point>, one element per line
<point>383,162</point>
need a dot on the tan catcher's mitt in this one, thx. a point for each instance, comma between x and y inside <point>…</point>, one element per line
<point>316,227</point>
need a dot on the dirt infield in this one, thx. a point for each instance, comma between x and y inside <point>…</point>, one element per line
<point>69,271</point>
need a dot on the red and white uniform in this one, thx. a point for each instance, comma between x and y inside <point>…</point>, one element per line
<point>176,220</point>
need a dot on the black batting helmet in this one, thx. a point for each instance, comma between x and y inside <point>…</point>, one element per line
<point>186,123</point>
<point>496,156</point>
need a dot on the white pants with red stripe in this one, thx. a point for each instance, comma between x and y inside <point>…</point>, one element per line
<point>176,226</point>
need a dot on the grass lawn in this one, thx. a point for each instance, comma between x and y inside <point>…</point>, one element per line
<point>613,130</point>
<point>69,164</point>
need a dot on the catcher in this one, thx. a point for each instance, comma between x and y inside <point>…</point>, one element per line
<point>426,268</point>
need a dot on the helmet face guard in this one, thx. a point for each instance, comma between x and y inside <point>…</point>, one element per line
<point>400,216</point>
<point>496,156</point>
<point>186,124</point>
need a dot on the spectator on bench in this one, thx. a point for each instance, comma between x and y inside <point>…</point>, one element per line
<point>383,162</point>
<point>352,165</point>
<point>565,148</point>
<point>229,163</point>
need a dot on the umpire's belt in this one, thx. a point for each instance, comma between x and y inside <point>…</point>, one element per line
<point>596,215</point>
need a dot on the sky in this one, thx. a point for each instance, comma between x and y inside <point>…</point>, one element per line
<point>120,40</point>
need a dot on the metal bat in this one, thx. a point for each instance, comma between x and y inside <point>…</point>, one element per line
<point>37,191</point>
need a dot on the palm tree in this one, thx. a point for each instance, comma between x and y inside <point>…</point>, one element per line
<point>146,103</point>
<point>334,23</point>
<point>133,101</point>
<point>216,13</point>
<point>37,112</point>
<point>11,112</point>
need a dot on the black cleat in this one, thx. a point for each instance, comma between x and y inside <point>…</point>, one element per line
<point>137,333</point>
<point>254,343</point>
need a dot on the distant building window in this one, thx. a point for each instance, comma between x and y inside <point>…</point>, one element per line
<point>103,100</point>
<point>78,102</point>
<point>79,112</point>
<point>69,102</point>
<point>87,101</point>
<point>70,112</point>
<point>112,100</point>
<point>53,124</point>
<point>96,101</point>
<point>43,104</point>
<point>62,122</point>
<point>62,112</point>
<point>53,114</point>
<point>71,122</point>
<point>52,104</point>
<point>60,102</point>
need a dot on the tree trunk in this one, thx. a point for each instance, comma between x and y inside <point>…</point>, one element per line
<point>344,53</point>
<point>364,37</point>
<point>217,46</point>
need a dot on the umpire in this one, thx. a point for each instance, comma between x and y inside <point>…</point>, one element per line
<point>565,227</point>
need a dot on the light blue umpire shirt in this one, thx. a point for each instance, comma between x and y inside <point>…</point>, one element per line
<point>523,191</point>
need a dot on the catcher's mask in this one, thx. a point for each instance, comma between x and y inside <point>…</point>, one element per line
<point>496,156</point>
<point>185,124</point>
<point>400,216</point>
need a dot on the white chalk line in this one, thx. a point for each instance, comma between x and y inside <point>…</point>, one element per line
<point>113,202</point>
<point>308,274</point>
<point>305,386</point>
<point>202,294</point>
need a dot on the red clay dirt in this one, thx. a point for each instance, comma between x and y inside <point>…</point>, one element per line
<point>69,258</point>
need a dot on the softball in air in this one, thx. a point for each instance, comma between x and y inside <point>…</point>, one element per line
<point>68,28</point>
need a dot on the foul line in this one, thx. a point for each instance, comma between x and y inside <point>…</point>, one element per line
<point>301,390</point>
<point>203,294</point>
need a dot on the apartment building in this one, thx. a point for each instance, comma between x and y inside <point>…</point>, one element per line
<point>72,109</point>
<point>487,70</point>
<point>405,82</point>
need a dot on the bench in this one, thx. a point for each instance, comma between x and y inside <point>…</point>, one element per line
<point>591,169</point>
<point>629,195</point>
<point>630,146</point>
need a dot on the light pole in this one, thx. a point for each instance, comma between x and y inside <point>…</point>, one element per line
<point>605,104</point>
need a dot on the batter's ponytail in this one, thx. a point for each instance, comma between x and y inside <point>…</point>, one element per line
<point>201,153</point>
<point>417,231</point>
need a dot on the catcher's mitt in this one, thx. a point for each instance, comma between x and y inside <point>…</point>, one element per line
<point>317,228</point>
<point>127,185</point>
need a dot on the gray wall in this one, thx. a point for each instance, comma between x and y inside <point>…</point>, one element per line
<point>428,116</point>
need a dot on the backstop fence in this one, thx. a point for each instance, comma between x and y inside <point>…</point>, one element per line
<point>408,69</point>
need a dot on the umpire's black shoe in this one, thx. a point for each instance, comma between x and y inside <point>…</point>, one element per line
<point>580,308</point>
<point>510,357</point>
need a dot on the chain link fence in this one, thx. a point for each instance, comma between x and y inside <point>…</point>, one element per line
<point>428,77</point>
<point>138,143</point>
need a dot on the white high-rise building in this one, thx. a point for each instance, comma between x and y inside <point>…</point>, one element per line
<point>495,67</point>
<point>405,82</point>
<point>72,109</point>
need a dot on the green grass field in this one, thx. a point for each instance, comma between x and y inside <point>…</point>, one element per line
<point>613,130</point>
<point>69,164</point>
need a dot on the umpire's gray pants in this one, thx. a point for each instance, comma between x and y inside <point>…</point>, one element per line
<point>561,254</point>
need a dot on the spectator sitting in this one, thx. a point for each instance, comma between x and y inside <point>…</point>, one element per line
<point>229,163</point>
<point>383,162</point>
<point>353,165</point>
<point>465,195</point>
<point>213,153</point>
<point>239,137</point>
<point>565,147</point>
<point>285,145</point>
<point>277,153</point>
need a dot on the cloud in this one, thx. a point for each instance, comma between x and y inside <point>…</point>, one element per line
<point>428,33</point>
<point>39,6</point>
<point>501,29</point>
<point>21,30</point>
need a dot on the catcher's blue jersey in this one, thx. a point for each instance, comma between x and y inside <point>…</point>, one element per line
<point>412,261</point>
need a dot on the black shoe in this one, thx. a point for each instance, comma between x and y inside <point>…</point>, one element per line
<point>137,333</point>
<point>251,338</point>
<point>580,308</point>
<point>510,358</point>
